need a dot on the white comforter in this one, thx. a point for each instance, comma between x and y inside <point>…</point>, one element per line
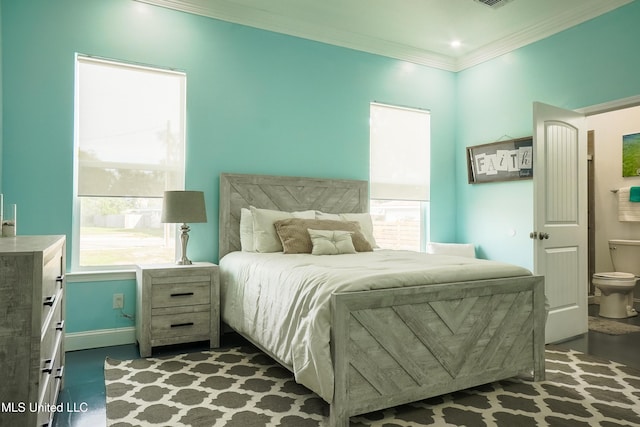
<point>283,301</point>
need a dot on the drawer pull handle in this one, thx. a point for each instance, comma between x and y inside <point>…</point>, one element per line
<point>48,366</point>
<point>182,294</point>
<point>179,325</point>
<point>50,300</point>
<point>60,325</point>
<point>60,373</point>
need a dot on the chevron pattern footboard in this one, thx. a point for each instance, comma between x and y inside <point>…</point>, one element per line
<point>406,345</point>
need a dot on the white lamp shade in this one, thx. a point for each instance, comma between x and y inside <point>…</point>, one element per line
<point>183,207</point>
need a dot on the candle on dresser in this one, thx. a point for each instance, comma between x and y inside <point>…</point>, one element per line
<point>9,221</point>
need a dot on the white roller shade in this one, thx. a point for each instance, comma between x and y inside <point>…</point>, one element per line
<point>130,133</point>
<point>399,158</point>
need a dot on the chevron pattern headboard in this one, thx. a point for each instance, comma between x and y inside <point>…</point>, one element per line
<point>285,194</point>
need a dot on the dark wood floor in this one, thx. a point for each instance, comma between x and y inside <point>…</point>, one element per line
<point>620,348</point>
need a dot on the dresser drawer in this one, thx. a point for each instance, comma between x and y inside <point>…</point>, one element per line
<point>51,354</point>
<point>52,332</point>
<point>182,294</point>
<point>52,280</point>
<point>181,324</point>
<point>50,389</point>
<point>52,275</point>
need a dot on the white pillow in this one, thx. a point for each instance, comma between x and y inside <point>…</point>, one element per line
<point>331,242</point>
<point>246,230</point>
<point>364,219</point>
<point>458,249</point>
<point>265,238</point>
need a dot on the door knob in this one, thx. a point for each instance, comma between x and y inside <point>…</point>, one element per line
<point>535,235</point>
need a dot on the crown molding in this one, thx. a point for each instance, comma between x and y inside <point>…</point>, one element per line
<point>618,104</point>
<point>231,12</point>
<point>536,33</point>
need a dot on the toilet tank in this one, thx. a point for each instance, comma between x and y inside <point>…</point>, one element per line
<point>625,255</point>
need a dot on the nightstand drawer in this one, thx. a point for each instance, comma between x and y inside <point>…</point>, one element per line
<point>175,295</point>
<point>181,324</point>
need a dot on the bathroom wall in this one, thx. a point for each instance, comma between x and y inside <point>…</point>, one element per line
<point>608,131</point>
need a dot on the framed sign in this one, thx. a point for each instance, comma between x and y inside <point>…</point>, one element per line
<point>501,161</point>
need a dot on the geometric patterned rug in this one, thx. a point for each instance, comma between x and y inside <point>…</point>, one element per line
<point>242,387</point>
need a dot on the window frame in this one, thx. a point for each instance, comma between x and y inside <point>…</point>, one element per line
<point>425,203</point>
<point>76,207</point>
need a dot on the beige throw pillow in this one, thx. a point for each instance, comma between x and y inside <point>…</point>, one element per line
<point>265,238</point>
<point>331,242</point>
<point>295,239</point>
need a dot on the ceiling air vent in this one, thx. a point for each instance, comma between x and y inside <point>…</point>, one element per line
<point>493,3</point>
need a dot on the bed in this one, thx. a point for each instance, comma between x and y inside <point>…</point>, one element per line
<point>455,326</point>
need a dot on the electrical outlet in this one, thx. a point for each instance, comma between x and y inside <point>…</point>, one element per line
<point>118,300</point>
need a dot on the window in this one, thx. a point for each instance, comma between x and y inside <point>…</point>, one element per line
<point>399,175</point>
<point>129,149</point>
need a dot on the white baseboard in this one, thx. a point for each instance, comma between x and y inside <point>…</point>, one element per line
<point>99,338</point>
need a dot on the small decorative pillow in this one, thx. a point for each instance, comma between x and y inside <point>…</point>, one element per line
<point>331,242</point>
<point>364,219</point>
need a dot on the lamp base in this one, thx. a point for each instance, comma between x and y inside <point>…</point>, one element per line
<point>184,238</point>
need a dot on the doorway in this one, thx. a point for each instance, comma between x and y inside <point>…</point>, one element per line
<point>591,216</point>
<point>608,127</point>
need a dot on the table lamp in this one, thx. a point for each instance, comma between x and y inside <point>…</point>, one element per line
<point>183,207</point>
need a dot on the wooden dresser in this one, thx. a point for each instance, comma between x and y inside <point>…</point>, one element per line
<point>177,304</point>
<point>32,286</point>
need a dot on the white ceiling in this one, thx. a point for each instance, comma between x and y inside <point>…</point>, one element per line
<point>418,31</point>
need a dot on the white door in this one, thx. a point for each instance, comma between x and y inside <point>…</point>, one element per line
<point>560,217</point>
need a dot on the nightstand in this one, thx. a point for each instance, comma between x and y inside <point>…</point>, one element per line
<point>177,304</point>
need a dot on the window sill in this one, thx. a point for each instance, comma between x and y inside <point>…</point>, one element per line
<point>100,276</point>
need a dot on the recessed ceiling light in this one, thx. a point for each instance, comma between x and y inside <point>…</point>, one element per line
<point>493,3</point>
<point>456,43</point>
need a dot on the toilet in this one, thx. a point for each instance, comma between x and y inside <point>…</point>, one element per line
<point>616,288</point>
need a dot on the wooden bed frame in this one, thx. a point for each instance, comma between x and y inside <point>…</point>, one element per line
<point>395,346</point>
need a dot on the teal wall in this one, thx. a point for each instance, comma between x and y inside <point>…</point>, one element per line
<point>89,305</point>
<point>260,102</point>
<point>257,102</point>
<point>589,64</point>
